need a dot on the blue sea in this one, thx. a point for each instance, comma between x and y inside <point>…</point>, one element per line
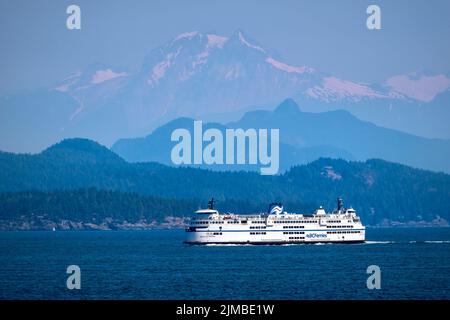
<point>155,264</point>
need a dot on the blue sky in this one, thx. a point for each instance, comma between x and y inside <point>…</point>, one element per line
<point>38,50</point>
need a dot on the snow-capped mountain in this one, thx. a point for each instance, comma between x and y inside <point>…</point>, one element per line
<point>211,77</point>
<point>201,75</point>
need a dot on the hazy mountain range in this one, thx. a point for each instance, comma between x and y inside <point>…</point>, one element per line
<point>215,78</point>
<point>304,137</point>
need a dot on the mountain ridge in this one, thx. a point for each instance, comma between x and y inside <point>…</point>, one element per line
<point>338,133</point>
<point>209,76</point>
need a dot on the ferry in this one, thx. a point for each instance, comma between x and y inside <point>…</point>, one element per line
<point>276,226</point>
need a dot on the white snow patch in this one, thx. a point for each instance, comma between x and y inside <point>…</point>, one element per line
<point>66,86</point>
<point>396,95</point>
<point>333,88</point>
<point>76,112</point>
<point>285,67</point>
<point>105,75</point>
<point>74,75</point>
<point>201,59</point>
<point>215,41</point>
<point>348,88</point>
<point>68,82</point>
<point>160,69</point>
<point>245,42</point>
<point>187,35</point>
<point>79,109</point>
<point>232,73</point>
<point>424,88</point>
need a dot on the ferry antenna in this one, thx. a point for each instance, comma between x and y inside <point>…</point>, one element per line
<point>211,204</point>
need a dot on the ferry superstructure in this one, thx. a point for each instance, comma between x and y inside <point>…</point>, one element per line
<point>275,227</point>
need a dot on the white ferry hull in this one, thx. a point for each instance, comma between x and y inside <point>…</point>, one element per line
<point>275,237</point>
<point>275,227</point>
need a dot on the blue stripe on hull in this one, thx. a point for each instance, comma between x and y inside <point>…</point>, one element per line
<point>275,242</point>
<point>282,230</point>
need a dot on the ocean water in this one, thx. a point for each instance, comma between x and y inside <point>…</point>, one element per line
<point>155,264</point>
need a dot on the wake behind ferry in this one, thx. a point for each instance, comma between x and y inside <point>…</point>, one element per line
<point>275,227</point>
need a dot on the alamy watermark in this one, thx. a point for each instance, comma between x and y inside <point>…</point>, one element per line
<point>230,150</point>
<point>374,280</point>
<point>74,280</point>
<point>373,21</point>
<point>73,21</point>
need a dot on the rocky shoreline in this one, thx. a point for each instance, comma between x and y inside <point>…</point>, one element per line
<point>438,222</point>
<point>44,224</point>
